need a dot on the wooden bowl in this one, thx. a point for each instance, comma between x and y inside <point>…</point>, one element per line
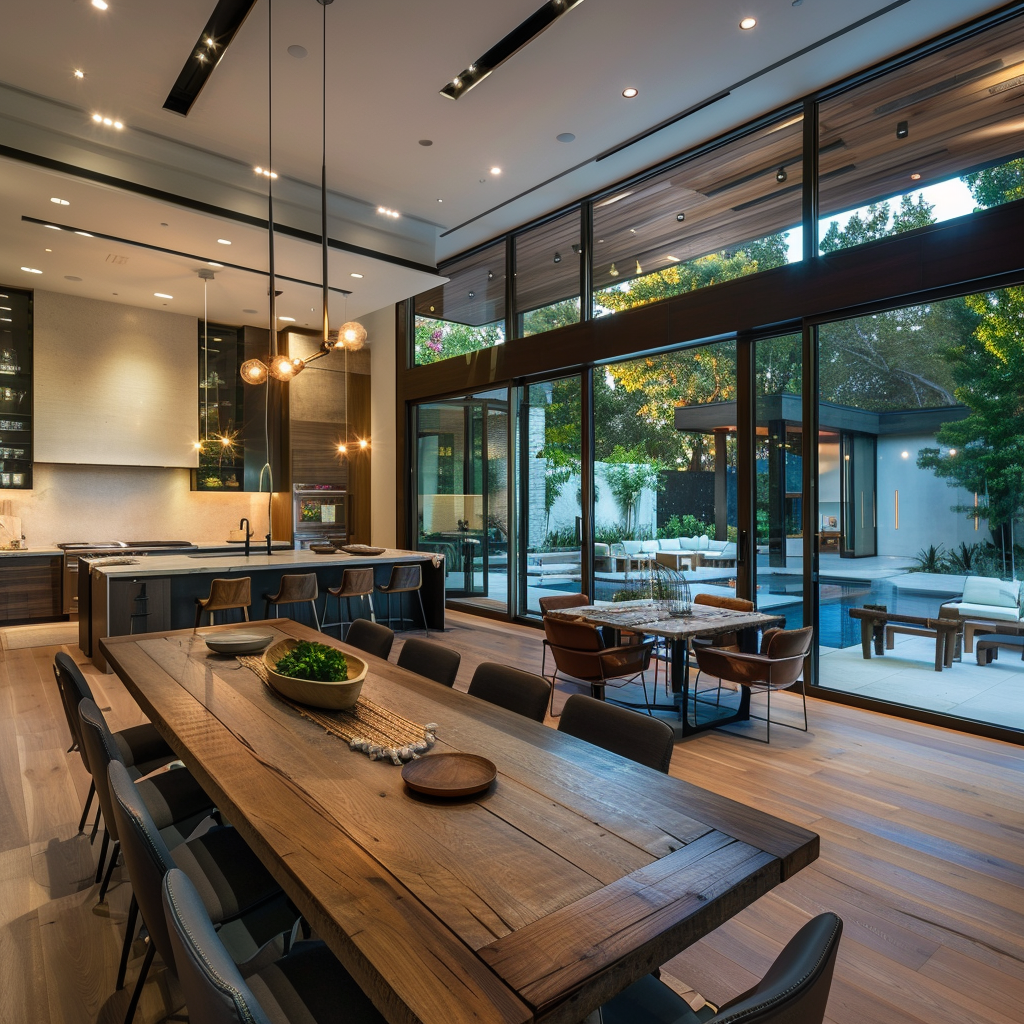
<point>333,696</point>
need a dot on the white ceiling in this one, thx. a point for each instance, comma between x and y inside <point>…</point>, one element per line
<point>387,61</point>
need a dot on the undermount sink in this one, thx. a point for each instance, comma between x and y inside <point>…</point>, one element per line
<point>229,554</point>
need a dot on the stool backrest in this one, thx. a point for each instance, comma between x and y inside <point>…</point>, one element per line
<point>403,578</point>
<point>356,582</point>
<point>296,588</point>
<point>522,692</point>
<point>231,593</point>
<point>639,737</point>
<point>441,664</point>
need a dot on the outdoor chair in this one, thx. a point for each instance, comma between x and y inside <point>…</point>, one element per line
<point>646,740</point>
<point>579,652</point>
<point>441,664</point>
<point>522,692</point>
<point>794,991</point>
<point>779,664</point>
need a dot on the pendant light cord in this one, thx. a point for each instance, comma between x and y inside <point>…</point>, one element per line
<point>273,284</point>
<point>323,188</point>
<point>206,364</point>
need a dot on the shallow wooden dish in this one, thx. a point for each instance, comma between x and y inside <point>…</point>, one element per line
<point>362,549</point>
<point>237,643</point>
<point>333,696</point>
<point>323,549</point>
<point>449,775</point>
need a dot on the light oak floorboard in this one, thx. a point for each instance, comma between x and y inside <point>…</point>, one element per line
<point>921,855</point>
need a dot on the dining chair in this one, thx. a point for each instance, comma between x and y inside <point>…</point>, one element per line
<point>441,664</point>
<point>354,583</point>
<point>794,991</point>
<point>224,596</point>
<point>579,652</point>
<point>174,798</point>
<point>778,665</point>
<point>307,986</point>
<point>641,738</point>
<point>557,603</point>
<point>723,641</point>
<point>522,692</point>
<point>371,637</point>
<point>405,579</point>
<point>237,890</point>
<point>299,588</point>
<point>140,746</point>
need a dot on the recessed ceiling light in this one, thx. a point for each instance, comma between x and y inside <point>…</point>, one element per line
<point>748,23</point>
<point>223,241</point>
<point>288,319</point>
<point>266,172</point>
<point>495,170</point>
<point>356,275</point>
<point>440,200</point>
<point>100,5</point>
<point>79,73</point>
<point>565,137</point>
<point>108,121</point>
<point>98,118</point>
<point>630,92</point>
<point>118,125</point>
<point>84,234</point>
<point>426,142</point>
<point>915,177</point>
<point>60,202</point>
<point>162,295</point>
<point>31,270</point>
<point>6,309</point>
<point>296,51</point>
<point>388,212</point>
<point>212,264</point>
<point>47,250</point>
<point>52,227</point>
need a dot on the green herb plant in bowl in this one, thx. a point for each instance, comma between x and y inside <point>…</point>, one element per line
<point>315,673</point>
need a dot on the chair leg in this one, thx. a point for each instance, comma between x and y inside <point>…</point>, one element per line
<point>647,700</point>
<point>88,804</point>
<point>426,628</point>
<point>316,618</point>
<point>114,854</point>
<point>369,601</point>
<point>137,993</point>
<point>266,609</point>
<point>103,855</point>
<point>95,825</point>
<point>199,616</point>
<point>129,938</point>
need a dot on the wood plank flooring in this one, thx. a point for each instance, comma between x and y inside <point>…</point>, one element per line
<point>922,855</point>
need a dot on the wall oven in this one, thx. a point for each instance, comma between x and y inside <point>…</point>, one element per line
<point>320,513</point>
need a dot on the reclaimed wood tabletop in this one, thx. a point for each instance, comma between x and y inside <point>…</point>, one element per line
<point>573,875</point>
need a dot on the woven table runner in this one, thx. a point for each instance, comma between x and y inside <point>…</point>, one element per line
<point>367,727</point>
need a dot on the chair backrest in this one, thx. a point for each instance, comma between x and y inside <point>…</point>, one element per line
<point>559,602</point>
<point>786,643</point>
<point>73,688</point>
<point>356,582</point>
<point>230,593</point>
<point>522,692</point>
<point>297,587</point>
<point>101,750</point>
<point>795,989</point>
<point>431,660</point>
<point>736,604</point>
<point>403,578</point>
<point>573,634</point>
<point>641,738</point>
<point>214,989</point>
<point>371,637</point>
<point>145,854</point>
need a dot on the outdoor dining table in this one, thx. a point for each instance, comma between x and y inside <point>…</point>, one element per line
<point>576,873</point>
<point>654,618</point>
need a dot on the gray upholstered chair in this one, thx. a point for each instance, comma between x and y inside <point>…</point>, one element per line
<point>431,660</point>
<point>174,798</point>
<point>639,737</point>
<point>522,692</point>
<point>139,745</point>
<point>308,986</point>
<point>237,890</point>
<point>794,991</point>
<point>405,579</point>
<point>371,637</point>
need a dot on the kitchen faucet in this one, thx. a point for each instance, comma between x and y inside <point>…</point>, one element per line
<point>248,533</point>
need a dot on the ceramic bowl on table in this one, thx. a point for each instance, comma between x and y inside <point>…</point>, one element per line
<point>323,549</point>
<point>237,643</point>
<point>332,696</point>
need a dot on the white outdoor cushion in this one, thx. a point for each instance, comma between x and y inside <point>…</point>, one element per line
<point>600,550</point>
<point>649,546</point>
<point>986,611</point>
<point>688,543</point>
<point>703,542</point>
<point>984,590</point>
<point>717,545</point>
<point>632,547</point>
<point>669,544</point>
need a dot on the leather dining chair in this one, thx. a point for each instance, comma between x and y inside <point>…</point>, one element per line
<point>794,991</point>
<point>557,603</point>
<point>777,666</point>
<point>237,890</point>
<point>646,740</point>
<point>579,652</point>
<point>723,641</point>
<point>371,637</point>
<point>307,986</point>
<point>441,664</point>
<point>522,692</point>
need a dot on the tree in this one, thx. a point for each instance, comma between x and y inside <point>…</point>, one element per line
<point>628,473</point>
<point>875,224</point>
<point>442,339</point>
<point>997,185</point>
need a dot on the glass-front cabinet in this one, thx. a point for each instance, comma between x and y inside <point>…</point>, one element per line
<point>15,389</point>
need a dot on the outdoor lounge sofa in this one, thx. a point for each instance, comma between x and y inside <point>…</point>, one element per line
<point>682,552</point>
<point>987,598</point>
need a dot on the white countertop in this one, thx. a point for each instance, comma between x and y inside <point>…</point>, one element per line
<point>21,552</point>
<point>180,565</point>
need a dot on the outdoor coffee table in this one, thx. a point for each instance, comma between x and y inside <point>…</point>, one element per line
<point>975,627</point>
<point>988,646</point>
<point>874,622</point>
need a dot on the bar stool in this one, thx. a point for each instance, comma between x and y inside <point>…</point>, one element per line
<point>294,590</point>
<point>354,583</point>
<point>225,594</point>
<point>404,579</point>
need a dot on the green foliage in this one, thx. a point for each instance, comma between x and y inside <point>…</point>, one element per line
<point>442,339</point>
<point>628,473</point>
<point>997,185</point>
<point>875,224</point>
<point>564,537</point>
<point>314,661</point>
<point>682,526</point>
<point>930,559</point>
<point>973,560</point>
<point>550,318</point>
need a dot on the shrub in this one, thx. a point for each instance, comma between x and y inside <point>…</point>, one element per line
<point>682,526</point>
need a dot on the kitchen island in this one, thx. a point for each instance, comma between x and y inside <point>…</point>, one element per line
<point>159,594</point>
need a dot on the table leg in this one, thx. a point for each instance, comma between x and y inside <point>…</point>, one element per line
<point>681,691</point>
<point>866,633</point>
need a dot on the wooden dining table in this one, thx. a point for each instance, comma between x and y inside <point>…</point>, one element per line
<point>576,873</point>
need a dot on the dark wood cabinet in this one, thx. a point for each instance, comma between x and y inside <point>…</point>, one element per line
<point>30,588</point>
